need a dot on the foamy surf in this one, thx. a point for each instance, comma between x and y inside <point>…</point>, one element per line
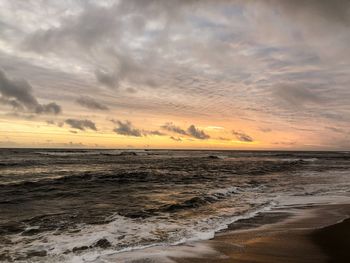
<point>96,207</point>
<point>81,247</point>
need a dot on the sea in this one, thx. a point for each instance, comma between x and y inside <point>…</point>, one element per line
<point>59,205</point>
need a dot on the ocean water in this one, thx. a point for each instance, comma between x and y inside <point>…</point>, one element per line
<point>85,205</point>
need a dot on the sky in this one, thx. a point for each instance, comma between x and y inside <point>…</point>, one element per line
<point>221,74</point>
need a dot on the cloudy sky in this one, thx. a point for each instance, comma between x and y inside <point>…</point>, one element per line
<point>219,74</point>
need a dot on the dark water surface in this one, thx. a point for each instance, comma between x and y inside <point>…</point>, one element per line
<point>76,205</point>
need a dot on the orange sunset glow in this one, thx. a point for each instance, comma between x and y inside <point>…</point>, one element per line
<point>170,74</point>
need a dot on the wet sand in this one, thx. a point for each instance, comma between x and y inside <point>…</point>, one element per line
<point>312,234</point>
<point>335,241</point>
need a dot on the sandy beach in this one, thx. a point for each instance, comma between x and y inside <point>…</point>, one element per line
<point>294,235</point>
<point>313,234</point>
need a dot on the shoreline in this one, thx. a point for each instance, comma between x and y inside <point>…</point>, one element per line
<point>303,234</point>
<point>293,234</point>
<point>307,234</point>
<point>334,241</point>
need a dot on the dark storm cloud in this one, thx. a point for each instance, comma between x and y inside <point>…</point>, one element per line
<point>91,103</point>
<point>18,94</point>
<point>81,124</point>
<point>126,128</point>
<point>196,133</point>
<point>173,128</point>
<point>243,137</point>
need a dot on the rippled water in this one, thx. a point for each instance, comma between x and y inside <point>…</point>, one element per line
<point>62,204</point>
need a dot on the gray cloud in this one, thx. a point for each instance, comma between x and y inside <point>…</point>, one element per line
<point>243,137</point>
<point>107,79</point>
<point>336,129</point>
<point>91,103</point>
<point>18,94</point>
<point>191,131</point>
<point>98,31</point>
<point>126,128</point>
<point>335,11</point>
<point>155,132</point>
<point>285,143</point>
<point>177,139</point>
<point>50,108</point>
<point>77,145</point>
<point>265,129</point>
<point>81,124</point>
<point>196,133</point>
<point>268,60</point>
<point>298,95</point>
<point>223,139</point>
<point>173,128</point>
<point>125,68</point>
<point>76,31</point>
<point>50,122</point>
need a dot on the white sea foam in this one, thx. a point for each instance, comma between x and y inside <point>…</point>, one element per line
<point>125,235</point>
<point>225,191</point>
<point>203,205</point>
